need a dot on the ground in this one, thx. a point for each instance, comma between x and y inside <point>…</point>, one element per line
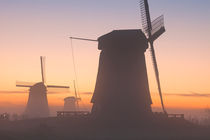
<point>89,129</point>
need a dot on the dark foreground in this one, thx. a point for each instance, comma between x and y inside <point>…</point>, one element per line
<point>87,129</point>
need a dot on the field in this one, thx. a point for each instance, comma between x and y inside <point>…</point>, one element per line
<point>88,129</point>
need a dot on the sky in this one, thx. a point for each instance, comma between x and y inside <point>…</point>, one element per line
<point>33,28</point>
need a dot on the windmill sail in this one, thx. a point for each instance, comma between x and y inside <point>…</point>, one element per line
<point>152,30</point>
<point>57,86</point>
<point>42,58</point>
<point>145,16</point>
<point>157,27</point>
<point>24,84</point>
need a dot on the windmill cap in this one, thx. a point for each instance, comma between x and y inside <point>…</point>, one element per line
<point>123,39</point>
<point>39,86</point>
<point>69,98</point>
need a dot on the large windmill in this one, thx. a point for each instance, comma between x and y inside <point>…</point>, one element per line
<point>122,90</point>
<point>153,29</point>
<point>37,105</point>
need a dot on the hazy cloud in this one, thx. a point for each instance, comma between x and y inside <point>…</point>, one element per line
<point>57,92</point>
<point>49,92</point>
<point>86,93</point>
<point>26,91</point>
<point>193,94</point>
<point>12,92</point>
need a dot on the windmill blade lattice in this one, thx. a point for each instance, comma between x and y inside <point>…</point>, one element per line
<point>157,24</point>
<point>145,17</point>
<point>157,28</point>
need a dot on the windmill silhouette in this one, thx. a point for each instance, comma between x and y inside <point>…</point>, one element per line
<point>122,90</point>
<point>153,30</point>
<point>37,105</point>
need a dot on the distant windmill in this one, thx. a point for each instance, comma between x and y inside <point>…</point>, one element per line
<point>37,105</point>
<point>71,103</point>
<point>152,30</point>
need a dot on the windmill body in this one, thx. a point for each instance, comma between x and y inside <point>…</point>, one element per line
<point>70,103</point>
<point>122,90</point>
<point>37,105</point>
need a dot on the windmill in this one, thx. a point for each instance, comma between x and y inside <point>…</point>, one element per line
<point>37,105</point>
<point>122,90</point>
<point>153,29</point>
<point>71,103</point>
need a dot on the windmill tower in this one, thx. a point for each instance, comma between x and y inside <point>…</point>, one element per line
<point>122,90</point>
<point>37,105</point>
<point>69,103</point>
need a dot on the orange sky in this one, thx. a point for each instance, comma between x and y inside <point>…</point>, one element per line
<point>28,31</point>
